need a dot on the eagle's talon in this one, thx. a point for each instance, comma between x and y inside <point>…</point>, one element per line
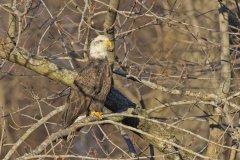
<point>99,115</point>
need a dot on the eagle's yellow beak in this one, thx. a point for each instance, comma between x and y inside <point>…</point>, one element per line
<point>108,43</point>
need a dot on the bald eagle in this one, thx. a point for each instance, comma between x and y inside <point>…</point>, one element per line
<point>92,84</point>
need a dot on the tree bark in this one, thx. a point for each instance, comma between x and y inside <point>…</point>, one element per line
<point>216,132</point>
<point>109,27</point>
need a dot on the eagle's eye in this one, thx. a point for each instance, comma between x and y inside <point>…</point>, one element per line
<point>99,41</point>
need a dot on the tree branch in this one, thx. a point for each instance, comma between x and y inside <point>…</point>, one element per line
<point>31,130</point>
<point>109,26</point>
<point>38,65</point>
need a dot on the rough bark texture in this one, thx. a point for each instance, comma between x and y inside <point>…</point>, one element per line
<point>216,133</point>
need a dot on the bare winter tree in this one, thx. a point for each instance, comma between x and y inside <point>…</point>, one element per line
<point>175,68</point>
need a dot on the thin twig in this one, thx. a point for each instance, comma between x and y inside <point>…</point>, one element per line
<point>31,130</point>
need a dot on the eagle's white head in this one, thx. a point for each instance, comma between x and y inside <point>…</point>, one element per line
<point>99,47</point>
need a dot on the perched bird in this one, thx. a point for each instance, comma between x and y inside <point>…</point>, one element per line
<point>92,84</point>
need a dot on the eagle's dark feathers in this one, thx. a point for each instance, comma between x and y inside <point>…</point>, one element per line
<point>89,90</point>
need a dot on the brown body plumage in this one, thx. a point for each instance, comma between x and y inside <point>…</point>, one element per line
<point>91,86</point>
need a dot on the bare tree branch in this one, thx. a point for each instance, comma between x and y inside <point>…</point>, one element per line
<point>31,130</point>
<point>109,26</point>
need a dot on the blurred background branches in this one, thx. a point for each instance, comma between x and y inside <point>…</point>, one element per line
<point>176,79</point>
